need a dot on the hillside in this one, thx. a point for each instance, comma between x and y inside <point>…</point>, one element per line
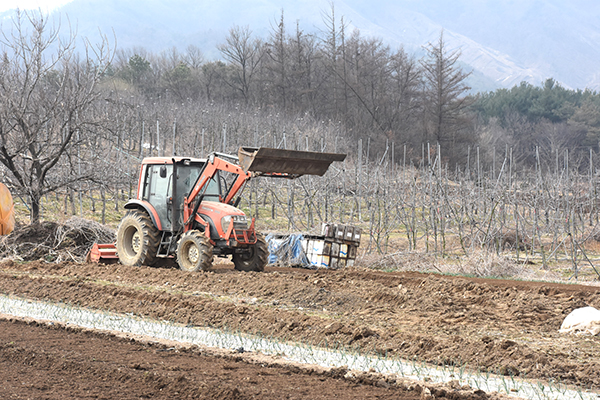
<point>504,42</point>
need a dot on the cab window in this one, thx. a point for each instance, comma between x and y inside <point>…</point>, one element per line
<point>157,189</point>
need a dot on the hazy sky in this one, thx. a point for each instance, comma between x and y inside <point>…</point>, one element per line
<point>45,5</point>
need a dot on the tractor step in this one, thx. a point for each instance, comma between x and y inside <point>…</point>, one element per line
<point>166,241</point>
<point>280,161</point>
<point>105,253</point>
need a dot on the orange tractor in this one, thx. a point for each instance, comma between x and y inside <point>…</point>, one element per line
<point>186,209</point>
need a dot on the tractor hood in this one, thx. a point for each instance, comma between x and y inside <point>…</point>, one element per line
<point>217,210</point>
<point>224,220</point>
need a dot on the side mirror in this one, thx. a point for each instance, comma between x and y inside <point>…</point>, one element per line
<point>163,171</point>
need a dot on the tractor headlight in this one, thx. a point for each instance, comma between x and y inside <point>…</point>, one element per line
<point>225,222</point>
<point>240,222</point>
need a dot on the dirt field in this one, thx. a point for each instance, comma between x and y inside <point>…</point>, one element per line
<point>509,327</point>
<point>48,362</point>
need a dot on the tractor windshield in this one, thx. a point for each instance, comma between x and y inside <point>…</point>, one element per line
<point>188,175</point>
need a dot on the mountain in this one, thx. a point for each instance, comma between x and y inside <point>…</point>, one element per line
<point>504,42</point>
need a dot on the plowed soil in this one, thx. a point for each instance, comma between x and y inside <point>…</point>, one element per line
<point>47,362</point>
<point>508,327</point>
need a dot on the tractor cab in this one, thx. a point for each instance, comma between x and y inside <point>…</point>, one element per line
<point>156,186</point>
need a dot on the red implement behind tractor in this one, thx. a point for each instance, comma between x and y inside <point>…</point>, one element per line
<point>186,209</point>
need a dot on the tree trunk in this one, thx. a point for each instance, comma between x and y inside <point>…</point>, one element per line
<point>34,211</point>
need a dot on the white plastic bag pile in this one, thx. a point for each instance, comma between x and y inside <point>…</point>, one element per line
<point>582,320</point>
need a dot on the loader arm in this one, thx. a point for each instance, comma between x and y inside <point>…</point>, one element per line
<point>213,165</point>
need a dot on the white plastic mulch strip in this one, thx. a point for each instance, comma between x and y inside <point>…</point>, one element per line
<point>292,351</point>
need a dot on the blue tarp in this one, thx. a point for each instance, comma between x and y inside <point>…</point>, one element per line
<point>287,250</point>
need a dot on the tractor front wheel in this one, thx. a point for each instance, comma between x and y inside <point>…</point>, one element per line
<point>194,252</point>
<point>137,239</point>
<point>255,259</point>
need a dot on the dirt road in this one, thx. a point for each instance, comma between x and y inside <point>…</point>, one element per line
<point>503,326</point>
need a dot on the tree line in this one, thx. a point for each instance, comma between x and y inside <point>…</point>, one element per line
<point>549,118</point>
<point>373,91</point>
<point>336,75</point>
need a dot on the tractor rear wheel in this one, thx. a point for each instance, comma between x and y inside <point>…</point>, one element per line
<point>194,252</point>
<point>137,239</point>
<point>255,259</point>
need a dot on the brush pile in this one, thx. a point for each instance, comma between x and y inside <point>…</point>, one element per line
<point>55,242</point>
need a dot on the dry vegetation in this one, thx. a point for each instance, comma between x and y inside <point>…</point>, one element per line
<point>55,242</point>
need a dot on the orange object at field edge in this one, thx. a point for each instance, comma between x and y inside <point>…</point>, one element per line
<point>7,211</point>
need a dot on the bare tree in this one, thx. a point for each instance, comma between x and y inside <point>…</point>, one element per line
<point>245,54</point>
<point>277,64</point>
<point>331,47</point>
<point>194,57</point>
<point>48,95</point>
<point>405,95</point>
<point>303,55</point>
<point>213,76</point>
<point>445,100</point>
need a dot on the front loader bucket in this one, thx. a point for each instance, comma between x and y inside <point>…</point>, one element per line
<point>292,162</point>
